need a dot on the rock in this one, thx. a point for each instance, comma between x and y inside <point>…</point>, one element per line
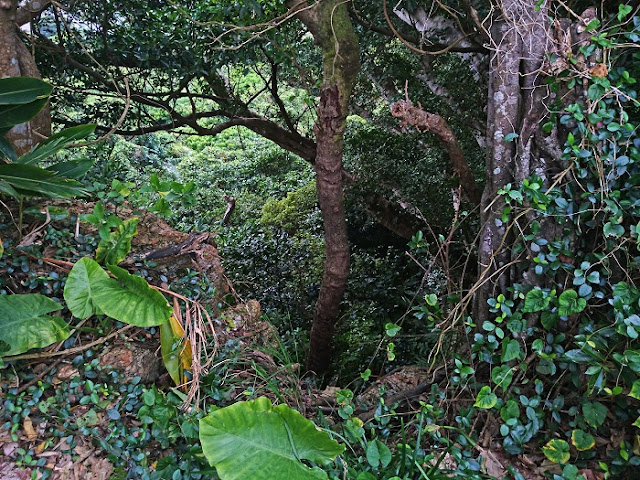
<point>133,360</point>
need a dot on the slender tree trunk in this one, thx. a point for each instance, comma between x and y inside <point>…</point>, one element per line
<point>16,61</point>
<point>329,23</point>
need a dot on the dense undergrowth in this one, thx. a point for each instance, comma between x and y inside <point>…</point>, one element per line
<point>547,387</point>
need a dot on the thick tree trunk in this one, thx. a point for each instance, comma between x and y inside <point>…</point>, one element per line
<point>16,61</point>
<point>329,23</point>
<point>517,100</point>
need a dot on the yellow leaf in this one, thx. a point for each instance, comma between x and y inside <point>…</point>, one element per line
<point>27,424</point>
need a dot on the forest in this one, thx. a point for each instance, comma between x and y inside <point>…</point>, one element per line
<point>319,240</point>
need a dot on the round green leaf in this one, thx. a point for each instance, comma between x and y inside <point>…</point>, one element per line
<point>24,323</point>
<point>582,440</point>
<point>79,289</point>
<point>486,398</point>
<point>594,413</point>
<point>557,451</point>
<point>259,441</point>
<point>535,301</point>
<point>378,453</point>
<point>569,303</point>
<point>130,299</point>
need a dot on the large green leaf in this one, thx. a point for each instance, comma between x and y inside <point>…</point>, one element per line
<point>255,440</point>
<point>21,90</point>
<point>29,180</point>
<point>72,169</point>
<point>84,277</point>
<point>11,115</point>
<point>55,143</point>
<point>130,299</point>
<point>24,323</point>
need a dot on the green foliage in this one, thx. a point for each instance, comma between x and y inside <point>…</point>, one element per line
<point>575,317</point>
<point>114,248</point>
<point>293,211</point>
<point>127,298</point>
<point>21,99</point>
<point>24,323</point>
<point>257,440</point>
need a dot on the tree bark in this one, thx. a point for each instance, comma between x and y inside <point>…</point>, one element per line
<point>16,61</point>
<point>329,23</point>
<point>517,103</point>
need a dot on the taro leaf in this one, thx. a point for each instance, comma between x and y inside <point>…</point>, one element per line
<point>486,398</point>
<point>130,299</point>
<point>176,350</point>
<point>21,90</point>
<point>255,440</point>
<point>582,440</point>
<point>378,454</point>
<point>570,304</point>
<point>72,169</point>
<point>24,323</point>
<point>635,390</point>
<point>36,181</point>
<point>594,413</point>
<point>113,249</point>
<point>535,301</point>
<point>55,143</point>
<point>557,451</point>
<point>84,278</point>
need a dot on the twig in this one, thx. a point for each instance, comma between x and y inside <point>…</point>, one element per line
<point>70,351</point>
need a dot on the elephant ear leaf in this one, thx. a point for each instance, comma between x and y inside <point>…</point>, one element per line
<point>259,441</point>
<point>130,299</point>
<point>24,323</point>
<point>84,279</point>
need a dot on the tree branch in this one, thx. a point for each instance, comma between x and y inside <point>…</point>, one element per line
<point>417,117</point>
<point>31,9</point>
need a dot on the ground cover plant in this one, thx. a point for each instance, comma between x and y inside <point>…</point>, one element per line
<point>319,240</point>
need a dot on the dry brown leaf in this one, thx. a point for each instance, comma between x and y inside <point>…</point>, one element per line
<point>599,70</point>
<point>492,464</point>
<point>27,425</point>
<point>41,446</point>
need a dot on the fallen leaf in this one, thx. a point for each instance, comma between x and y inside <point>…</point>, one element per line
<point>599,70</point>
<point>27,424</point>
<point>492,464</point>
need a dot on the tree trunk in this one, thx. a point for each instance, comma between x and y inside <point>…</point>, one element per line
<point>329,23</point>
<point>16,61</point>
<point>517,103</point>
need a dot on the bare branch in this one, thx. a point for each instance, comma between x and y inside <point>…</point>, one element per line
<point>430,122</point>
